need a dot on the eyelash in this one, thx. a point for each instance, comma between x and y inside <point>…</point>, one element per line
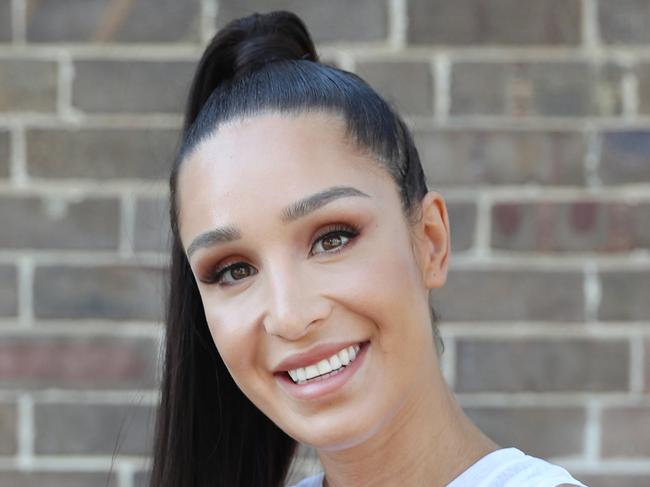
<point>339,229</point>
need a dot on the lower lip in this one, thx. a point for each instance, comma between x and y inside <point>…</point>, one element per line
<point>317,389</point>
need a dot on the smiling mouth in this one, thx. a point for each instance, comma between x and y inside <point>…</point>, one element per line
<point>325,368</point>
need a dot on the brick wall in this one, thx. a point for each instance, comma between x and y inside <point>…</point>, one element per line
<point>532,118</point>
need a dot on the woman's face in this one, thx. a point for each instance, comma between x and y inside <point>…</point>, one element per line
<point>298,244</point>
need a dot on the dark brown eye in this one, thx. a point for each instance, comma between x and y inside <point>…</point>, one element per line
<point>232,273</point>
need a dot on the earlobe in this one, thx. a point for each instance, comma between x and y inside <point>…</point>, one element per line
<point>434,228</point>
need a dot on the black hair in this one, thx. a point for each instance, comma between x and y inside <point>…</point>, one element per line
<point>208,432</point>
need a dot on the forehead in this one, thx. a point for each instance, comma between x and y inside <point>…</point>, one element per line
<point>267,161</point>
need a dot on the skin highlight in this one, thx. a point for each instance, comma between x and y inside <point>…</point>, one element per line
<point>395,421</point>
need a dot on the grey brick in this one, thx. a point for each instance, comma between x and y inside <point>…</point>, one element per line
<point>559,89</point>
<point>624,21</point>
<point>470,157</point>
<point>28,85</point>
<point>539,431</point>
<point>8,433</point>
<point>5,20</point>
<point>462,222</point>
<point>101,153</point>
<point>92,429</point>
<point>625,432</point>
<point>8,291</point>
<point>408,86</point>
<point>580,226</point>
<point>5,153</point>
<point>625,296</point>
<point>625,157</point>
<point>102,21</point>
<point>142,479</point>
<point>642,72</point>
<point>77,362</point>
<point>131,86</point>
<point>537,365</point>
<point>647,364</point>
<point>503,295</point>
<point>57,479</point>
<point>110,292</point>
<point>509,22</point>
<point>57,223</point>
<point>152,230</point>
<point>332,21</point>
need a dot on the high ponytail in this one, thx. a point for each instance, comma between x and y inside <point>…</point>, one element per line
<point>208,433</point>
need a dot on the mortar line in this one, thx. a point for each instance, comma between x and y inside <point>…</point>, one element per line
<point>591,161</point>
<point>592,290</point>
<point>589,25</point>
<point>637,365</point>
<point>17,161</point>
<point>630,92</point>
<point>592,433</point>
<point>441,72</point>
<point>208,27</point>
<point>398,24</point>
<point>25,431</point>
<point>483,228</point>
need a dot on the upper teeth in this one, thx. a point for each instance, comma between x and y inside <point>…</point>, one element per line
<point>325,366</point>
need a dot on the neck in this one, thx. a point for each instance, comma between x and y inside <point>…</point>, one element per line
<point>430,442</point>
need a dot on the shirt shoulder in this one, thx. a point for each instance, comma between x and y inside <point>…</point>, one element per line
<point>510,467</point>
<point>313,481</point>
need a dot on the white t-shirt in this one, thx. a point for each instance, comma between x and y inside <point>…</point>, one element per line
<point>506,467</point>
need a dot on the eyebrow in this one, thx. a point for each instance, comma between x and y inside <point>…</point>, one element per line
<point>292,212</point>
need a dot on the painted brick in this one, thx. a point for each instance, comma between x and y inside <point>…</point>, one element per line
<point>332,21</point>
<point>625,295</point>
<point>98,21</point>
<point>131,86</point>
<point>469,157</point>
<point>559,89</point>
<point>28,85</point>
<point>625,432</point>
<point>57,479</point>
<point>624,21</point>
<point>152,230</point>
<point>8,425</point>
<point>543,432</point>
<point>92,429</point>
<point>612,480</point>
<point>100,153</point>
<point>504,295</point>
<point>77,362</point>
<point>579,226</point>
<point>508,22</point>
<point>5,153</point>
<point>625,157</point>
<point>462,222</point>
<point>407,86</point>
<point>8,291</point>
<point>53,222</point>
<point>108,292</point>
<point>5,20</point>
<point>537,365</point>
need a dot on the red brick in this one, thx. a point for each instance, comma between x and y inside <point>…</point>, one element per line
<point>100,153</point>
<point>625,432</point>
<point>131,86</point>
<point>406,85</point>
<point>57,479</point>
<point>496,295</point>
<point>93,429</point>
<point>509,22</point>
<point>545,88</point>
<point>624,21</point>
<point>100,21</point>
<point>543,432</point>
<point>8,290</point>
<point>580,226</point>
<point>331,21</point>
<point>29,222</point>
<point>537,365</point>
<point>625,296</point>
<point>469,157</point>
<point>28,85</point>
<point>8,433</point>
<point>72,361</point>
<point>625,157</point>
<point>109,292</point>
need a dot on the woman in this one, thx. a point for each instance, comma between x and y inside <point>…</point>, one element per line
<point>305,245</point>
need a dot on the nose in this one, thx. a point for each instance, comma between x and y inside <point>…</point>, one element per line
<point>293,303</point>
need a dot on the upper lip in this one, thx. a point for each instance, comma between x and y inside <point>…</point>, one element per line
<point>312,356</point>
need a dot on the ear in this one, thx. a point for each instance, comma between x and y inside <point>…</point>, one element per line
<point>433,240</point>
